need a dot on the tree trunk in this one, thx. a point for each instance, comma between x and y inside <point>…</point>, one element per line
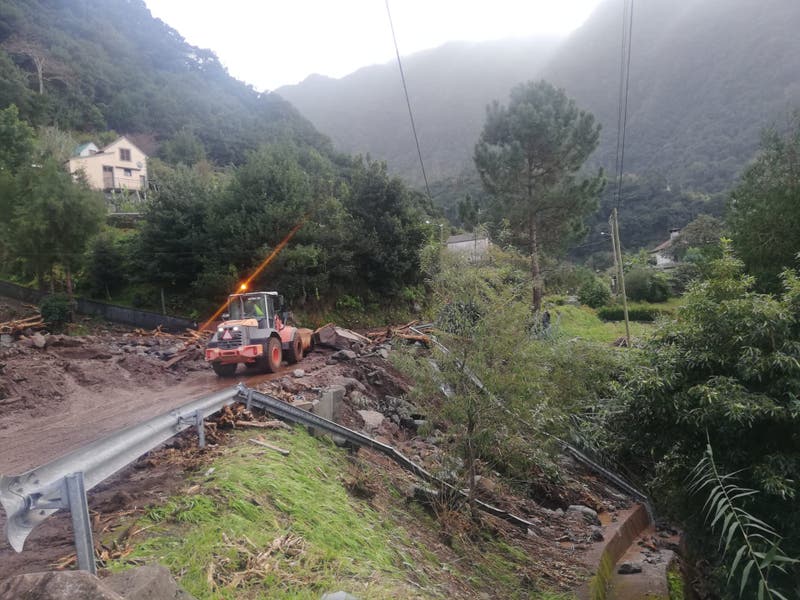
<point>535,270</point>
<point>39,62</point>
<point>68,278</point>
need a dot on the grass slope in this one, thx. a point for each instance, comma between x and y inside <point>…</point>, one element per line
<point>261,525</point>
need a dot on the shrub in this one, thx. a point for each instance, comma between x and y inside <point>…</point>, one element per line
<point>725,372</point>
<point>646,314</point>
<point>56,309</point>
<point>594,293</point>
<point>648,285</point>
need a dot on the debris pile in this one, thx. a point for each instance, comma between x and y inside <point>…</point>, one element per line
<point>26,325</point>
<point>406,332</point>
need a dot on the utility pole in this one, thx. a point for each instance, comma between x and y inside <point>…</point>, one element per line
<point>614,224</point>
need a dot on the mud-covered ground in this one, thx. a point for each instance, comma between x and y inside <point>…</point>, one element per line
<point>58,393</point>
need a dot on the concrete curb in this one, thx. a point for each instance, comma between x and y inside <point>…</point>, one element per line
<point>617,542</point>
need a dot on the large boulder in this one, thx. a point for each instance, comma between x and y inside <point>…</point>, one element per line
<point>150,582</point>
<point>56,585</point>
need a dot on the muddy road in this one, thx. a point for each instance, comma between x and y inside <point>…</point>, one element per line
<point>75,390</point>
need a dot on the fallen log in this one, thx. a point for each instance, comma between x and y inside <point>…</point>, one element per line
<point>270,446</point>
<point>275,424</point>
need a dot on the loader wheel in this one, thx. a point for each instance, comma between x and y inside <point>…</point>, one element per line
<point>274,355</point>
<point>224,370</point>
<point>295,352</point>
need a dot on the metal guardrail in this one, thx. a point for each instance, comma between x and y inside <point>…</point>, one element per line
<point>29,498</point>
<point>296,415</point>
<point>610,476</point>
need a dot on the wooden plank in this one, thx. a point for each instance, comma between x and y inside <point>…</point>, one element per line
<point>270,446</point>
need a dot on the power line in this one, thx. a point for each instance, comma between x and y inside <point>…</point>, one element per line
<point>624,85</point>
<point>408,102</point>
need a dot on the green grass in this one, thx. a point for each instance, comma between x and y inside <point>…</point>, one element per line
<point>582,322</point>
<point>267,526</point>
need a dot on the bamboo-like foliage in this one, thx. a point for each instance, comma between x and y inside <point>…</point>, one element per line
<point>758,554</point>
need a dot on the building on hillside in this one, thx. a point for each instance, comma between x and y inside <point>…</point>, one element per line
<point>119,166</point>
<point>661,252</point>
<point>474,245</point>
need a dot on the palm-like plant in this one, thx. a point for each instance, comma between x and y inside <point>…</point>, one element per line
<point>758,553</point>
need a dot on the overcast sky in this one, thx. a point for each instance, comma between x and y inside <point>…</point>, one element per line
<point>270,43</point>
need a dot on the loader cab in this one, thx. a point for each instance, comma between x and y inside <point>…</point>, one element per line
<point>258,305</point>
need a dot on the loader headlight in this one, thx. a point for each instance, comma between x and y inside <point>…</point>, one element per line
<point>236,328</point>
<point>220,330</point>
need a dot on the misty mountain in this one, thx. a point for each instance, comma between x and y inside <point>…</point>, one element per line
<point>92,65</point>
<point>706,77</point>
<point>449,88</point>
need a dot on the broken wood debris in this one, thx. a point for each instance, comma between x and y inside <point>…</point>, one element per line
<point>275,424</point>
<point>404,332</point>
<point>270,446</point>
<point>18,326</point>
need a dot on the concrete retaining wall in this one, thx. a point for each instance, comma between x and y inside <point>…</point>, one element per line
<point>110,312</point>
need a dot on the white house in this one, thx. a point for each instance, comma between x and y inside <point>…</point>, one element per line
<point>119,166</point>
<point>661,252</point>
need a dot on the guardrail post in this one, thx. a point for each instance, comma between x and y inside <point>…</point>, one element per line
<point>81,524</point>
<point>201,429</point>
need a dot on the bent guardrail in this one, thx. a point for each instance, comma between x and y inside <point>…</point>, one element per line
<point>296,415</point>
<point>29,498</point>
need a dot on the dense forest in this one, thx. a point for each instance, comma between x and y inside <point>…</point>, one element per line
<point>91,65</point>
<point>237,171</point>
<point>706,77</point>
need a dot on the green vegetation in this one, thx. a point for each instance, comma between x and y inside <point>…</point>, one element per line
<point>266,526</point>
<point>755,543</point>
<point>98,65</point>
<point>540,376</point>
<point>764,209</point>
<point>583,323</point>
<point>675,583</point>
<point>725,370</point>
<point>529,157</point>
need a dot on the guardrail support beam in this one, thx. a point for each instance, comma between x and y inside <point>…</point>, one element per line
<point>81,523</point>
<point>201,429</point>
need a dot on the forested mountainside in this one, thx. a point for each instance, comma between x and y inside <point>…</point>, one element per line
<point>92,65</point>
<point>706,77</point>
<point>449,88</point>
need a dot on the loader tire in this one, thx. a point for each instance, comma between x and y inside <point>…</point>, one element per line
<point>273,355</point>
<point>295,351</point>
<point>224,370</point>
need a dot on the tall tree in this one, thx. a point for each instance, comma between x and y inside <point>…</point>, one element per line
<point>53,219</point>
<point>764,209</point>
<point>529,156</point>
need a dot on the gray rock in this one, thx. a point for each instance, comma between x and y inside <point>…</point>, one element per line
<point>383,353</point>
<point>344,355</point>
<point>589,515</point>
<point>360,400</point>
<point>56,585</point>
<point>629,568</point>
<point>349,383</point>
<point>39,340</point>
<point>298,373</point>
<point>150,582</point>
<point>372,419</point>
<point>597,534</point>
<point>338,596</point>
<point>6,340</point>
<point>290,386</point>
